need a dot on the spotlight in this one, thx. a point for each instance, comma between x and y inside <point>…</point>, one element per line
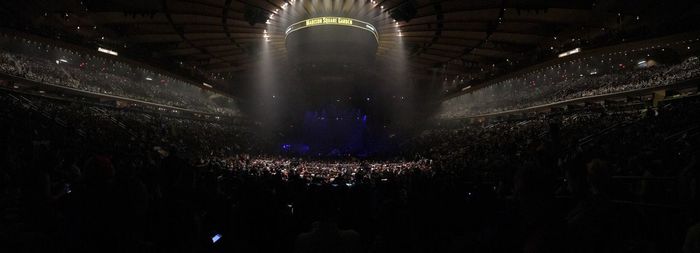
<point>255,15</point>
<point>405,11</point>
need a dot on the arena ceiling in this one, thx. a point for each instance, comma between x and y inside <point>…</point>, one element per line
<point>217,38</point>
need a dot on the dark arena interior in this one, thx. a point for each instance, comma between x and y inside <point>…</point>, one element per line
<point>349,126</point>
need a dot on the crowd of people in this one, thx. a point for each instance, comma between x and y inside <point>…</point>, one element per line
<point>85,178</point>
<point>580,78</point>
<point>327,172</point>
<point>87,72</point>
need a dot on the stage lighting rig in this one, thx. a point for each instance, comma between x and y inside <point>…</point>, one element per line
<point>405,11</point>
<point>254,14</point>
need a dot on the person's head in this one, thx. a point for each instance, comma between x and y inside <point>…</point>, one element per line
<point>531,182</point>
<point>99,168</point>
<point>323,203</point>
<point>598,172</point>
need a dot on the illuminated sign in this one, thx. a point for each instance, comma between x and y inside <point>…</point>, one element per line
<point>328,21</point>
<point>319,21</point>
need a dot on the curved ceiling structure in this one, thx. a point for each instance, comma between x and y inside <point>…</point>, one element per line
<point>217,39</point>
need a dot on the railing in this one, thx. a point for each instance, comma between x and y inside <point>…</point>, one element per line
<point>683,84</point>
<point>102,95</point>
<point>29,104</point>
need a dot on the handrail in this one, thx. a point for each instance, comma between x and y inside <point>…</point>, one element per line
<point>645,178</point>
<point>23,79</point>
<point>681,132</point>
<point>681,84</point>
<point>633,203</point>
<point>588,138</point>
<point>110,107</point>
<point>633,45</point>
